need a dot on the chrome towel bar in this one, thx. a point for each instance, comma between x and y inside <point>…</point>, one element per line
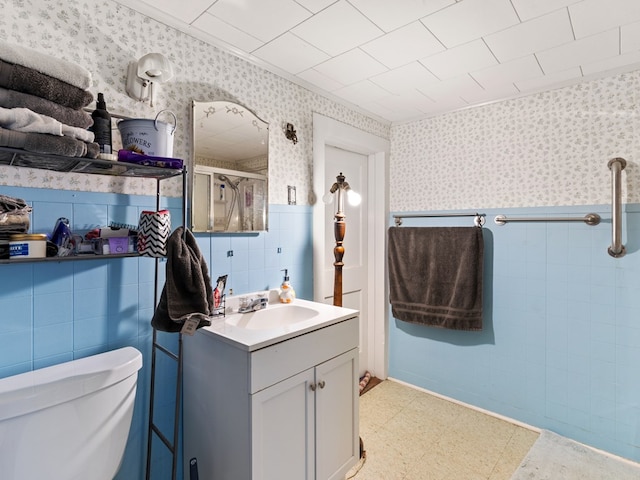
<point>616,165</point>
<point>590,219</point>
<point>478,217</point>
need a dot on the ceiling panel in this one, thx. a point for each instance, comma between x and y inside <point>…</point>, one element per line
<point>458,60</point>
<point>470,19</point>
<point>337,29</point>
<point>403,46</point>
<point>524,38</point>
<point>379,56</point>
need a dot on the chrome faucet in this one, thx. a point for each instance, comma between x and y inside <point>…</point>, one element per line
<point>253,305</point>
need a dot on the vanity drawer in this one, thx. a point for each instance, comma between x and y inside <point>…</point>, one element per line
<point>285,359</point>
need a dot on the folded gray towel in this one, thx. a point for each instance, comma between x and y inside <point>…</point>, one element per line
<point>66,115</point>
<point>48,144</point>
<point>435,276</point>
<point>25,120</point>
<point>27,80</point>
<point>11,204</point>
<point>64,70</point>
<point>187,291</point>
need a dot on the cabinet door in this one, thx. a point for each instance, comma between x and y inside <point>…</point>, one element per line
<point>283,430</point>
<point>337,437</point>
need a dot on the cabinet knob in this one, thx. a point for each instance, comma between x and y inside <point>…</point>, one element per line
<point>321,383</point>
<point>312,387</point>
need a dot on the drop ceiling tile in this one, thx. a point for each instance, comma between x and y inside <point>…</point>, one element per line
<point>594,16</point>
<point>461,59</point>
<point>401,13</point>
<point>215,27</point>
<point>320,80</point>
<point>263,19</point>
<point>470,20</point>
<point>403,46</point>
<point>361,92</point>
<point>507,73</point>
<point>529,37</point>
<point>290,53</point>
<point>528,9</point>
<point>315,5</point>
<point>186,12</point>
<point>337,29</point>
<point>630,37</point>
<point>351,67</point>
<point>546,81</point>
<point>499,92</point>
<point>410,76</point>
<point>408,101</point>
<point>579,52</point>
<point>457,87</point>
<point>627,62</point>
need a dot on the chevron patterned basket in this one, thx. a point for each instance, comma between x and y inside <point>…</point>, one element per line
<point>153,231</point>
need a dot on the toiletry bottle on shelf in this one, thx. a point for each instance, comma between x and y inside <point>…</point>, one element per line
<point>287,293</point>
<point>101,127</point>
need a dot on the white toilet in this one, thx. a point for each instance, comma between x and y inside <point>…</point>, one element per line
<point>69,421</point>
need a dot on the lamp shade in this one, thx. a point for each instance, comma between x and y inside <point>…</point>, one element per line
<point>155,67</point>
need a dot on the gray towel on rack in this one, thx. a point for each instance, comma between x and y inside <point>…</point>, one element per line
<point>66,115</point>
<point>435,276</point>
<point>27,80</point>
<point>48,144</point>
<point>187,290</point>
<point>64,70</point>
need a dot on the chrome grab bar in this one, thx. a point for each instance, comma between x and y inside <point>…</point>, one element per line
<point>590,219</point>
<point>616,165</point>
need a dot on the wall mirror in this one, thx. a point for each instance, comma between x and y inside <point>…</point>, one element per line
<point>231,164</point>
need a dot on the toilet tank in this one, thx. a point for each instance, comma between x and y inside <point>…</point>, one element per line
<point>68,421</point>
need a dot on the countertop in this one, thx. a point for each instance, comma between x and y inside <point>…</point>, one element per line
<point>254,339</point>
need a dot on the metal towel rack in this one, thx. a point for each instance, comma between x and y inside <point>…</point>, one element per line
<point>478,217</point>
<point>616,165</point>
<point>590,219</point>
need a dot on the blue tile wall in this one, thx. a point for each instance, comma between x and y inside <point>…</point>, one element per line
<point>560,347</point>
<point>59,311</point>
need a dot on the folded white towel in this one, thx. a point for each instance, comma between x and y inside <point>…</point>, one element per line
<point>64,70</point>
<point>28,121</point>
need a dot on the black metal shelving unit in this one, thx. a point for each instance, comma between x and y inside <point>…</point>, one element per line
<point>21,158</point>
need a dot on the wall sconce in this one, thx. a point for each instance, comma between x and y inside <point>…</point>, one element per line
<point>145,75</point>
<point>340,226</point>
<point>290,133</point>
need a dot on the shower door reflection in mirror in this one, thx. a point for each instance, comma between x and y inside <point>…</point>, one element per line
<point>229,178</point>
<point>229,200</point>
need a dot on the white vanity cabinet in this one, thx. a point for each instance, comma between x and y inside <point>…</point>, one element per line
<point>286,411</point>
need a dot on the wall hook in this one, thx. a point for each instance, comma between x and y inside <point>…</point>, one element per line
<point>290,133</point>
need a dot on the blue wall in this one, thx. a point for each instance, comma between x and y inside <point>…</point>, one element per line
<point>58,311</point>
<point>560,347</point>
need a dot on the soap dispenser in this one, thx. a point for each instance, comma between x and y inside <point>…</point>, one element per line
<point>287,293</point>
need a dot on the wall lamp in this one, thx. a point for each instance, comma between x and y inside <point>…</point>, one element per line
<point>145,76</point>
<point>342,188</point>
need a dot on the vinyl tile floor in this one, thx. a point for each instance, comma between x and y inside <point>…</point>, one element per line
<point>409,434</point>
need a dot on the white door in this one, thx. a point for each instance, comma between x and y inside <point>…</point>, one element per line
<point>362,157</point>
<point>354,272</point>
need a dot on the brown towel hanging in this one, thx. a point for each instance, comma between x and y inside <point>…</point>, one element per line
<point>435,276</point>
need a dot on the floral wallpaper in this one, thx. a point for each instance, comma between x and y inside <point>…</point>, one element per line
<point>104,37</point>
<point>548,149</point>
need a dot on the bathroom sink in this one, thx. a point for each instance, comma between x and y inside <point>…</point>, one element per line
<point>273,316</point>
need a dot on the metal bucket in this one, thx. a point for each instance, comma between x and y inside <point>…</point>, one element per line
<point>149,137</point>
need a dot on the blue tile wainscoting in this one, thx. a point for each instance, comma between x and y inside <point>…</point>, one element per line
<point>560,348</point>
<point>52,312</point>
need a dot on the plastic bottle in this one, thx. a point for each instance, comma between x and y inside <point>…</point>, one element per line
<point>287,293</point>
<point>101,127</point>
